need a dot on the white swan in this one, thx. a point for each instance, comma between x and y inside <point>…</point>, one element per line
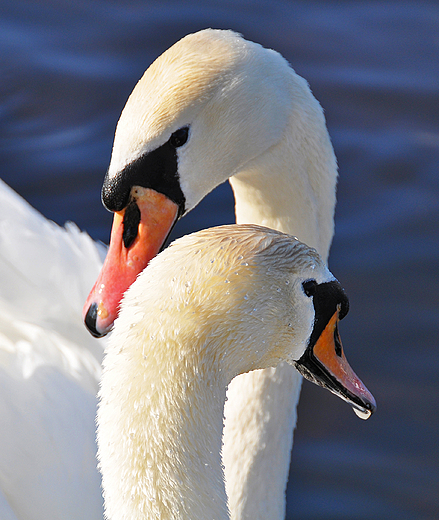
<point>213,305</point>
<point>49,368</point>
<point>212,107</point>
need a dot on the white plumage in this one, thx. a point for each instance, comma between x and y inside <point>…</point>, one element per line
<point>251,120</point>
<point>49,368</point>
<point>213,305</point>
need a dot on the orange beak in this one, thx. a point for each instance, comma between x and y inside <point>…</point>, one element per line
<point>325,364</point>
<point>133,243</point>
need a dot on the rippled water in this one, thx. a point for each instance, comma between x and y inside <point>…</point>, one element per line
<point>67,69</point>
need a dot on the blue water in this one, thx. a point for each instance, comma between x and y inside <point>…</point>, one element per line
<point>66,71</point>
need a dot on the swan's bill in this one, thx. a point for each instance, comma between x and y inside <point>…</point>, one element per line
<point>325,364</point>
<point>138,233</point>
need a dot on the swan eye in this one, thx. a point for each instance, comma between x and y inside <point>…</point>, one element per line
<point>309,287</point>
<point>179,137</point>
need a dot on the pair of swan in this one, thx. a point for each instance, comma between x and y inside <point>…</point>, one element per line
<point>212,107</point>
<point>215,304</point>
<point>215,107</point>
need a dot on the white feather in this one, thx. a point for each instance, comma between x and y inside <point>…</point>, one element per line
<point>213,305</point>
<point>270,137</point>
<point>255,121</point>
<point>49,368</point>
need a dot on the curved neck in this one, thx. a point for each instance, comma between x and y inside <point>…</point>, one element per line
<point>165,434</point>
<point>291,187</point>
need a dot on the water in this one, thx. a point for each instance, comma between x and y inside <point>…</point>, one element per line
<point>362,414</point>
<point>67,69</point>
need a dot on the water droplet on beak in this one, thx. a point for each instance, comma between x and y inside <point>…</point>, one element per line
<point>362,414</point>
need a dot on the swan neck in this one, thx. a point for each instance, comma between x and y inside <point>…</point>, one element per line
<point>291,186</point>
<point>167,442</point>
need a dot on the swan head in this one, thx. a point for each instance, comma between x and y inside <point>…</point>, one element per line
<point>244,298</point>
<point>205,108</point>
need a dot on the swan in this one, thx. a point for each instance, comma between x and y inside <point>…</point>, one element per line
<point>215,304</point>
<point>49,368</point>
<point>214,107</point>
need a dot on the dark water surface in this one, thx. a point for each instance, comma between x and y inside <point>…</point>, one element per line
<point>67,70</point>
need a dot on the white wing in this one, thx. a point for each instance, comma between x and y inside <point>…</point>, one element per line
<point>49,368</point>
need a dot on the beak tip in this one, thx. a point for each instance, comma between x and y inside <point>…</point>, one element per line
<point>366,411</point>
<point>90,320</point>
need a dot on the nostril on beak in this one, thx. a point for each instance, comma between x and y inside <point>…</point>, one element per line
<point>131,223</point>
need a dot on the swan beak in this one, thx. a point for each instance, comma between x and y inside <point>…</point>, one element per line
<point>138,233</point>
<point>325,364</point>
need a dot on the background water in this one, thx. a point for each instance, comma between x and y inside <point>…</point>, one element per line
<point>67,69</point>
